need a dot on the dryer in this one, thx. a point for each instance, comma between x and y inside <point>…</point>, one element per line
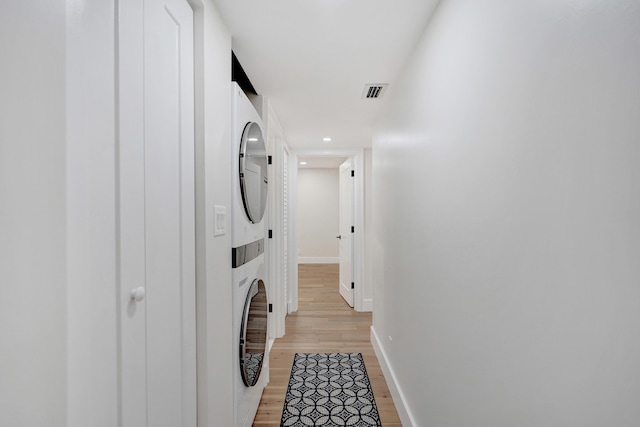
<point>249,166</point>
<point>249,199</point>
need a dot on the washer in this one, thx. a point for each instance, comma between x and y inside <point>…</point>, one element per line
<point>249,197</point>
<point>249,329</point>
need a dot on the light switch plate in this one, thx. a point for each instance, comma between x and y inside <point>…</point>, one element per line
<point>219,220</point>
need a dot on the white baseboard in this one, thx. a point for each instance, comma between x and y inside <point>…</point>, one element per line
<point>367,304</point>
<point>318,260</point>
<point>396,392</point>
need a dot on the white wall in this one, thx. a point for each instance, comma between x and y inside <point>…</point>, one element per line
<point>91,310</point>
<point>506,186</point>
<point>367,288</point>
<point>213,187</point>
<point>33,366</point>
<point>318,215</point>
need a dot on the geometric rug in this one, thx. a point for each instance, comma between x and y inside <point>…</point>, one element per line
<point>329,389</point>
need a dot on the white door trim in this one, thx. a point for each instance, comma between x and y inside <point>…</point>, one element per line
<point>357,159</point>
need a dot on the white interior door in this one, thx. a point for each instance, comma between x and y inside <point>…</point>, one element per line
<point>157,216</point>
<point>346,222</point>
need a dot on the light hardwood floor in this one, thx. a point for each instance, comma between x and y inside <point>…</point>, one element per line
<point>324,323</point>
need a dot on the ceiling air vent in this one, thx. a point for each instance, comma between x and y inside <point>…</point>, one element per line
<point>374,90</point>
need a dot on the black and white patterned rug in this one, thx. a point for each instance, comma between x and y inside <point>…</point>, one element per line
<point>329,389</point>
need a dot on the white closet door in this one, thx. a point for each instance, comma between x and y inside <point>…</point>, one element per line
<point>157,219</point>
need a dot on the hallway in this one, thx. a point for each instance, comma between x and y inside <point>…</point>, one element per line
<point>499,219</point>
<point>323,323</point>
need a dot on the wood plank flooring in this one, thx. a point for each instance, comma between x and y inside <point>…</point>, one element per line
<point>324,323</point>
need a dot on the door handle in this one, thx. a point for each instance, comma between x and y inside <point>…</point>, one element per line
<point>138,294</point>
<point>339,236</point>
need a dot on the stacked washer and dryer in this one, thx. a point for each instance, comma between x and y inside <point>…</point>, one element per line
<point>250,306</point>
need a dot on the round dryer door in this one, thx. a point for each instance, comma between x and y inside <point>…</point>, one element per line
<point>253,333</point>
<point>253,172</point>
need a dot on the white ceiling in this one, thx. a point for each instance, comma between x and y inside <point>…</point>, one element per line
<point>312,59</point>
<point>320,162</point>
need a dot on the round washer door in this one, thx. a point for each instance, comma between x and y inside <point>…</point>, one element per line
<point>253,172</point>
<point>253,333</point>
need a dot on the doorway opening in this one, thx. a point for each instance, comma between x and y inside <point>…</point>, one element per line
<point>325,216</point>
<point>353,255</point>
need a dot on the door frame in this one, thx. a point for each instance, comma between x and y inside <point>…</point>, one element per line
<point>275,253</point>
<point>357,159</point>
<point>345,222</point>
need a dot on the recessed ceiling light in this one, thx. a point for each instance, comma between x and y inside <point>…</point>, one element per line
<point>253,139</point>
<point>303,163</point>
<point>326,139</point>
